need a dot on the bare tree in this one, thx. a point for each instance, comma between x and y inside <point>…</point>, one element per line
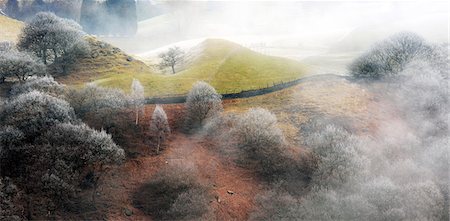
<point>202,102</point>
<point>137,95</point>
<point>159,126</point>
<point>171,58</point>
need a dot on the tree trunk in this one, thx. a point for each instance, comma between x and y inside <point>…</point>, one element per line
<point>44,56</point>
<point>137,115</point>
<point>94,192</point>
<point>173,69</point>
<point>30,209</point>
<point>159,144</point>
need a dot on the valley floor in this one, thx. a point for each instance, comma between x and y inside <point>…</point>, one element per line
<point>117,188</point>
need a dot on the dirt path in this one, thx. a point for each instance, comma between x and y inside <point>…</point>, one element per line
<point>219,173</point>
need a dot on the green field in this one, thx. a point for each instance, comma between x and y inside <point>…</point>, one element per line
<point>227,66</point>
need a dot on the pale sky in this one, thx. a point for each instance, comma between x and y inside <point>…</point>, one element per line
<point>287,27</point>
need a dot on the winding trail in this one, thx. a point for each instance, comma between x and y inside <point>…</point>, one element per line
<point>219,173</point>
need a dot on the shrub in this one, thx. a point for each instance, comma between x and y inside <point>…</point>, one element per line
<point>43,84</point>
<point>260,139</point>
<point>202,102</point>
<point>19,65</point>
<point>87,145</point>
<point>174,194</point>
<point>6,46</point>
<point>338,159</point>
<point>95,99</point>
<point>34,112</point>
<point>190,205</point>
<point>159,126</point>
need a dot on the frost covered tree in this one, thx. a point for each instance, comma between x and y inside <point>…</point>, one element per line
<point>95,99</point>
<point>338,159</point>
<point>390,56</point>
<point>6,45</point>
<point>79,146</point>
<point>19,65</point>
<point>202,102</point>
<point>171,58</point>
<point>35,112</point>
<point>100,106</point>
<point>43,84</point>
<point>260,139</point>
<point>159,126</point>
<point>52,39</point>
<point>138,97</point>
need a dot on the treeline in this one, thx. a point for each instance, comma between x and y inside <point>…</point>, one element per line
<point>24,10</point>
<point>110,17</point>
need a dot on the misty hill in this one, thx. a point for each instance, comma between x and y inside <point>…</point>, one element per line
<point>10,28</point>
<point>225,65</point>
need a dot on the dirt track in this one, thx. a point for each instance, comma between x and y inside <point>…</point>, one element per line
<point>221,174</point>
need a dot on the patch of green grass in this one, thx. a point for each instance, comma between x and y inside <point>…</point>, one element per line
<point>226,66</point>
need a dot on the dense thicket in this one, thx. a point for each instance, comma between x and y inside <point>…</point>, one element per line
<point>24,10</point>
<point>45,147</point>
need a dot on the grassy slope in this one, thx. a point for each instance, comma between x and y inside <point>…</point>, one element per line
<point>104,60</point>
<point>225,65</point>
<point>331,97</point>
<point>9,28</point>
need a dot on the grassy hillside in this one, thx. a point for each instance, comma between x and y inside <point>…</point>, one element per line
<point>104,60</point>
<point>225,65</point>
<point>10,28</point>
